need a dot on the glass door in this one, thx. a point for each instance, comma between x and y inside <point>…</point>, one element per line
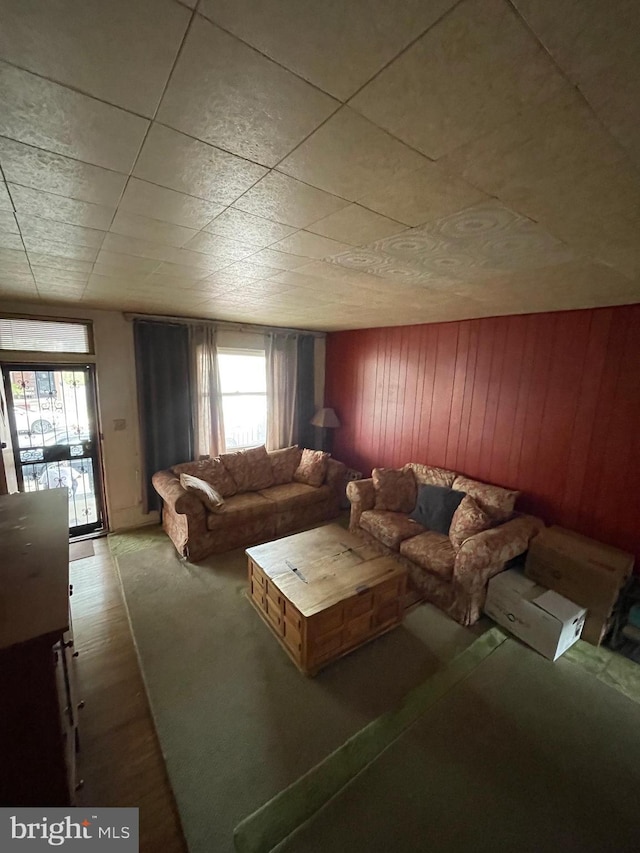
<point>52,413</point>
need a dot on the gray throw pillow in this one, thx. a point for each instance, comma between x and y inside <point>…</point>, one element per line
<point>435,507</point>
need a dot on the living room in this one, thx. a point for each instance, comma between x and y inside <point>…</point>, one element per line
<point>443,199</point>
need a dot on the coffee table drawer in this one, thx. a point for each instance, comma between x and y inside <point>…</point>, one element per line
<point>326,646</point>
<point>388,613</point>
<point>357,629</point>
<point>292,637</point>
<point>292,615</point>
<point>274,615</point>
<point>328,620</point>
<point>358,605</point>
<point>257,576</point>
<point>388,591</point>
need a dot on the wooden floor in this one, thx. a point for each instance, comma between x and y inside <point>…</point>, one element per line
<point>120,759</point>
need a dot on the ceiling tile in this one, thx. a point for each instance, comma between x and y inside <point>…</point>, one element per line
<point>161,203</point>
<point>36,245</point>
<point>174,160</point>
<point>50,276</point>
<point>125,263</point>
<point>49,116</point>
<point>310,245</point>
<point>61,209</point>
<point>181,271</point>
<point>10,241</point>
<point>286,200</point>
<point>560,137</point>
<point>219,247</point>
<point>470,73</point>
<point>229,95</point>
<point>8,223</point>
<point>247,228</point>
<point>426,194</point>
<point>356,225</point>
<point>5,201</point>
<point>349,156</point>
<point>48,229</point>
<point>337,46</point>
<point>188,258</point>
<point>42,170</point>
<point>144,228</point>
<point>57,262</point>
<point>596,44</point>
<point>96,47</point>
<point>277,260</point>
<point>121,245</point>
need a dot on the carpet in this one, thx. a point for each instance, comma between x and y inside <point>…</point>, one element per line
<point>239,725</point>
<point>80,550</point>
<point>236,721</point>
<point>521,755</point>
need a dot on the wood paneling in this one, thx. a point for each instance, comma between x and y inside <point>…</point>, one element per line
<point>546,403</point>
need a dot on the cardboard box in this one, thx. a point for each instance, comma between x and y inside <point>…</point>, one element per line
<point>541,618</point>
<point>583,570</point>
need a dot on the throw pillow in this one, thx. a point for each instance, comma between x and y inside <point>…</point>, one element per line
<point>236,465</point>
<point>395,489</point>
<point>468,520</point>
<point>212,471</point>
<point>494,500</point>
<point>212,499</point>
<point>435,507</point>
<point>284,463</point>
<point>312,468</point>
<point>259,474</point>
<point>429,475</point>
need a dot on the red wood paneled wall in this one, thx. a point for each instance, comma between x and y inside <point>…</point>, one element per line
<point>546,403</point>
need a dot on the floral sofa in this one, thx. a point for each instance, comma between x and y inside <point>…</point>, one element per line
<point>240,499</point>
<point>451,571</point>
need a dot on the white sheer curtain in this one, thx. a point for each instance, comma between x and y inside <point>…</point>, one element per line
<point>208,426</point>
<point>282,388</point>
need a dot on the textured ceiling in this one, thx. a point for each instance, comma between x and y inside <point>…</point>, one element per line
<point>320,163</point>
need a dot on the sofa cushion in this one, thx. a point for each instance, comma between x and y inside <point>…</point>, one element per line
<point>468,520</point>
<point>259,473</point>
<point>288,496</point>
<point>395,489</point>
<point>312,468</point>
<point>211,471</point>
<point>428,474</point>
<point>239,509</point>
<point>284,463</point>
<point>204,491</point>
<point>390,528</point>
<point>433,552</point>
<point>435,507</point>
<point>494,500</point>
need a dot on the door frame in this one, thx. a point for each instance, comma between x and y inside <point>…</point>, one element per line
<point>92,401</point>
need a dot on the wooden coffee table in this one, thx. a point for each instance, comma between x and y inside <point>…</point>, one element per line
<point>324,592</point>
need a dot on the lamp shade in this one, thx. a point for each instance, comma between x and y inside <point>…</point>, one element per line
<point>325,418</point>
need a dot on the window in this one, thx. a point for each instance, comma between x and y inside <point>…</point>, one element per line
<point>243,385</point>
<point>44,336</point>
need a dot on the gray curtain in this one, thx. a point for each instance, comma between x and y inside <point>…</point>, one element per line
<point>164,400</point>
<point>206,404</point>
<point>290,390</point>
<point>282,388</point>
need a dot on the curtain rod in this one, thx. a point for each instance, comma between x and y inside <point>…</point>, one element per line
<point>221,324</point>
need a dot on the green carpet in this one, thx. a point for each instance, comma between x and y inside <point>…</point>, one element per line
<point>244,734</point>
<point>236,721</point>
<point>522,756</point>
<point>135,540</point>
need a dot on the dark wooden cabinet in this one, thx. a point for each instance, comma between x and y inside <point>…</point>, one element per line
<point>38,723</point>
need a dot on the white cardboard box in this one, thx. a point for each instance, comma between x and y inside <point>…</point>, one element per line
<point>543,619</point>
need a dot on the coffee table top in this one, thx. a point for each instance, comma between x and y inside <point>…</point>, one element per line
<point>318,568</point>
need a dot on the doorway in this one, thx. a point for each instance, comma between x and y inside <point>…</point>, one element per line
<point>54,431</point>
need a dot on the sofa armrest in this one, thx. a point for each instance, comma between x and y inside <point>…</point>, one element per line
<point>167,485</point>
<point>484,555</point>
<point>362,496</point>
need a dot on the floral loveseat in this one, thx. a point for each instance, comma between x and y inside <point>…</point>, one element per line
<point>451,571</point>
<point>240,499</point>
